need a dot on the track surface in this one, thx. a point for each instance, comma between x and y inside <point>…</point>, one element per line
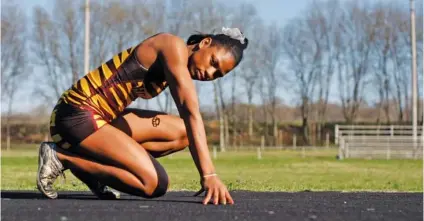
<point>18,205</point>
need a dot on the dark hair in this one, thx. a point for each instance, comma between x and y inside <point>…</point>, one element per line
<point>233,45</point>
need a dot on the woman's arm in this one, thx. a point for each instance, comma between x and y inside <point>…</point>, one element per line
<point>175,58</point>
<point>174,55</point>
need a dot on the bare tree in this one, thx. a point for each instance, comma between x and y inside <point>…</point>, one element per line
<point>398,20</point>
<point>69,23</point>
<point>273,71</point>
<point>246,18</point>
<point>152,10</point>
<point>250,78</point>
<point>401,63</point>
<point>251,70</point>
<point>323,20</point>
<point>303,52</point>
<point>381,48</point>
<point>100,32</point>
<point>57,44</point>
<point>392,54</point>
<point>13,57</point>
<point>420,53</point>
<point>46,48</point>
<point>357,35</point>
<point>119,18</point>
<point>261,89</point>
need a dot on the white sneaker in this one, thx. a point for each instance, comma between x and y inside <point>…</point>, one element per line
<point>49,168</point>
<point>104,193</point>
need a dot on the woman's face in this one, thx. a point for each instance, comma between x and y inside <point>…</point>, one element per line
<point>210,62</point>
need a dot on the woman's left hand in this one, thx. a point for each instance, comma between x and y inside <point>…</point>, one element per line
<point>215,190</point>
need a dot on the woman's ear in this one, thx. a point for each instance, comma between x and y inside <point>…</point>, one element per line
<point>206,42</point>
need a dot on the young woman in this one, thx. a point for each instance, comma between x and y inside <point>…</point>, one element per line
<point>103,143</point>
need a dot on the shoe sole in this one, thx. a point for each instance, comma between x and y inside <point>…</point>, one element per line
<point>39,186</point>
<point>108,195</point>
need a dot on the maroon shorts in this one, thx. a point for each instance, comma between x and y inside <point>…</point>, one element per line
<point>69,124</point>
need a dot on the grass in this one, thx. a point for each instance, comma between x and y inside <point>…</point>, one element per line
<point>277,171</point>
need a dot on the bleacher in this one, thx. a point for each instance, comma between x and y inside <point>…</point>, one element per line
<point>379,141</point>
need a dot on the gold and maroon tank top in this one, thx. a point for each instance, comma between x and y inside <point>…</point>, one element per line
<point>114,85</point>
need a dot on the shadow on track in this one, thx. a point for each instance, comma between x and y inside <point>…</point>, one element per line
<point>90,196</point>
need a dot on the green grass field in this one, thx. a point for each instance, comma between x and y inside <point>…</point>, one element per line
<point>276,171</point>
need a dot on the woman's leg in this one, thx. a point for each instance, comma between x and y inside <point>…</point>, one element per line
<point>114,159</point>
<point>119,162</point>
<point>160,134</point>
<point>98,188</point>
<point>147,128</point>
<point>116,177</point>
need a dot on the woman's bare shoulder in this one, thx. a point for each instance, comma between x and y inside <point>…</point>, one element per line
<point>164,46</point>
<point>166,41</point>
<point>168,44</point>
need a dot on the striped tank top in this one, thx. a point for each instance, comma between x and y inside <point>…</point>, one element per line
<point>114,85</point>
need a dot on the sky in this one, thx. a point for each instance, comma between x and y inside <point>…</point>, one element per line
<point>270,10</point>
<point>279,11</point>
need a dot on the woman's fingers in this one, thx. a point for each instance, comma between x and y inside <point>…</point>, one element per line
<point>222,197</point>
<point>229,198</point>
<point>216,196</point>
<point>208,196</point>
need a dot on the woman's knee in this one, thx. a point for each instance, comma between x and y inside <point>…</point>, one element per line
<point>157,191</point>
<point>159,187</point>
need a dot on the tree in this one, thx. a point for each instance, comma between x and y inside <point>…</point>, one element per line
<point>100,34</point>
<point>273,71</point>
<point>356,37</point>
<point>303,53</point>
<point>401,61</point>
<point>381,47</point>
<point>246,18</point>
<point>324,21</point>
<point>46,49</point>
<point>57,45</point>
<point>14,59</point>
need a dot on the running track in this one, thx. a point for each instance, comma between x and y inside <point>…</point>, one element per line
<point>305,206</point>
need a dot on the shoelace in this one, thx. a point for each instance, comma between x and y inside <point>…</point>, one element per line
<point>57,171</point>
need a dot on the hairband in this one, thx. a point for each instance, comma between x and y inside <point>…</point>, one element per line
<point>234,33</point>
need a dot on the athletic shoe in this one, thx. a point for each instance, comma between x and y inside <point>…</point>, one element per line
<point>104,193</point>
<point>49,168</point>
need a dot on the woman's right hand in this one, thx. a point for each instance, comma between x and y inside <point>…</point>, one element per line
<point>215,190</point>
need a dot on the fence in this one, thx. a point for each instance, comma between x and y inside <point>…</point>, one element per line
<point>378,141</point>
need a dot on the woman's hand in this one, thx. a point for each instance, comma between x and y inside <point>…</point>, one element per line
<point>215,190</point>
